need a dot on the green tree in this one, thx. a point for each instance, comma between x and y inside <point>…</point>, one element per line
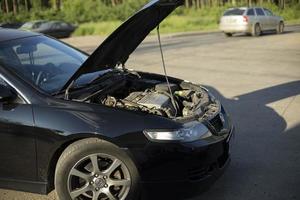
<point>36,4</point>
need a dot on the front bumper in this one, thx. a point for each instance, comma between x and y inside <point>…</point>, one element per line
<point>192,166</point>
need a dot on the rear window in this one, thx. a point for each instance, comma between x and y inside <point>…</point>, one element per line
<point>27,25</point>
<point>236,11</point>
<point>259,11</point>
<point>250,12</point>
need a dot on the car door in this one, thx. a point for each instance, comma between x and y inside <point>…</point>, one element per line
<point>17,140</point>
<point>272,20</point>
<point>251,16</point>
<point>262,19</point>
<point>66,29</point>
<point>56,30</point>
<point>50,28</point>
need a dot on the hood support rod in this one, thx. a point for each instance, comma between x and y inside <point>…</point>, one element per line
<point>165,70</point>
<point>67,93</point>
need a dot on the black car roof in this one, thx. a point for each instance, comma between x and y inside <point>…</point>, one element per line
<point>12,34</point>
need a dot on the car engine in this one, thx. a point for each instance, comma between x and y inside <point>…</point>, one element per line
<point>150,101</point>
<point>158,101</point>
<point>178,100</point>
<point>153,100</point>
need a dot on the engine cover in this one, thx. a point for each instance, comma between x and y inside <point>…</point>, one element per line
<point>153,100</point>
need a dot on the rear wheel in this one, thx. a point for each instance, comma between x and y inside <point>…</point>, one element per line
<point>228,34</point>
<point>256,30</point>
<point>93,169</point>
<point>280,28</point>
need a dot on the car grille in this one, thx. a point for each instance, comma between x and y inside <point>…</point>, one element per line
<point>216,123</point>
<point>196,173</point>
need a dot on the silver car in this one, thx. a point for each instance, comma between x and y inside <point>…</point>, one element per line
<point>252,21</point>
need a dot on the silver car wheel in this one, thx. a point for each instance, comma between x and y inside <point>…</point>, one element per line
<point>99,177</point>
<point>257,30</point>
<point>280,28</point>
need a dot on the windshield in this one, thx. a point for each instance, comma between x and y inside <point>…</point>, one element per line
<point>27,25</point>
<point>236,11</point>
<point>45,62</point>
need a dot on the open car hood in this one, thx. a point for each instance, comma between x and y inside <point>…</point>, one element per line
<point>115,50</point>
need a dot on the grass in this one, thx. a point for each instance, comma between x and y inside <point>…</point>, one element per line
<point>182,21</point>
<point>186,20</point>
<point>292,22</point>
<point>188,23</point>
<point>97,28</point>
<point>171,25</point>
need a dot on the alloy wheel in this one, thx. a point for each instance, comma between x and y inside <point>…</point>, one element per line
<point>281,27</point>
<point>99,177</point>
<point>257,30</point>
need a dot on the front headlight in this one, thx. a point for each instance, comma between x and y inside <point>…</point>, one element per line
<point>190,132</point>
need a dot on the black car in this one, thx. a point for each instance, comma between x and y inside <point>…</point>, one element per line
<point>13,25</point>
<point>57,29</point>
<point>92,129</point>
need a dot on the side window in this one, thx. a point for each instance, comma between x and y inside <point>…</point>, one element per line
<point>268,12</point>
<point>56,26</point>
<point>2,57</point>
<point>250,12</point>
<point>259,12</point>
<point>64,25</point>
<point>8,57</point>
<point>19,99</point>
<point>3,83</point>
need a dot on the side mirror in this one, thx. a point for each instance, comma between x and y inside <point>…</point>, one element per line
<point>7,95</point>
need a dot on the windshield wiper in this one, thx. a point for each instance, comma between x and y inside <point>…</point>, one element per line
<point>96,80</point>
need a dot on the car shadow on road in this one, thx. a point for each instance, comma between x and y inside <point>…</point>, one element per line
<point>252,108</point>
<point>268,33</point>
<point>261,148</point>
<point>265,33</point>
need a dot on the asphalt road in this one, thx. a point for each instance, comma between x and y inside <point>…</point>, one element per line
<point>258,81</point>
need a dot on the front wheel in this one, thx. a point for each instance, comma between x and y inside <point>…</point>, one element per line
<point>280,28</point>
<point>93,169</point>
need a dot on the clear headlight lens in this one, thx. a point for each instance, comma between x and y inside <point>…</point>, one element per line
<point>190,132</point>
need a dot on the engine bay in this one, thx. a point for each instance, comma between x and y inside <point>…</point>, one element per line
<point>145,93</point>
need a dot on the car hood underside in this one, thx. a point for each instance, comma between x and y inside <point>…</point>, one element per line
<point>115,50</point>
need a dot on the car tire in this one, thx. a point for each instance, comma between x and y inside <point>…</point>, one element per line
<point>77,178</point>
<point>228,34</point>
<point>256,30</point>
<point>280,28</point>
